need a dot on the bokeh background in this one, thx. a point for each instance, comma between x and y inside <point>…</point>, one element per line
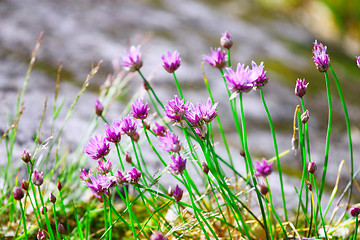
<point>279,32</point>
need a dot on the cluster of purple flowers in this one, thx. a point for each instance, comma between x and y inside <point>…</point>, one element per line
<point>263,169</point>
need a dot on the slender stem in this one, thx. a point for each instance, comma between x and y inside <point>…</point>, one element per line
<point>105,214</point>
<point>356,226</point>
<point>151,89</point>
<point>110,216</point>
<point>56,222</point>
<point>178,86</point>
<point>23,219</point>
<point>229,57</point>
<point>48,225</point>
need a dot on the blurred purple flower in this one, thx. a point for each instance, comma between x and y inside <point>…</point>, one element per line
<point>102,168</point>
<point>300,88</point>
<point>176,109</point>
<point>241,80</point>
<point>201,132</point>
<point>159,130</point>
<point>132,60</point>
<point>177,165</point>
<point>171,61</point>
<point>263,169</point>
<point>18,193</point>
<point>139,109</point>
<point>158,236</point>
<point>259,75</point>
<point>120,178</point>
<point>127,126</point>
<point>170,143</point>
<point>98,107</point>
<point>100,185</point>
<point>97,147</point>
<point>358,61</point>
<point>41,235</point>
<point>225,41</point>
<point>37,178</point>
<point>133,176</point>
<point>217,58</point>
<point>321,58</point>
<point>25,156</point>
<point>85,176</point>
<point>178,193</point>
<point>355,211</point>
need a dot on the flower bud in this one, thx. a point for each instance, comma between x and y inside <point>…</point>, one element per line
<point>37,178</point>
<point>242,153</point>
<point>41,235</point>
<point>98,108</point>
<point>26,157</point>
<point>59,186</point>
<point>43,210</point>
<point>170,191</point>
<point>295,143</point>
<point>300,88</point>
<point>355,211</point>
<point>128,158</point>
<point>61,229</point>
<point>18,193</point>
<point>52,198</point>
<point>146,87</point>
<point>263,188</point>
<point>226,41</point>
<point>24,185</point>
<point>305,116</point>
<point>308,184</point>
<point>312,167</point>
<point>205,167</point>
<point>135,136</point>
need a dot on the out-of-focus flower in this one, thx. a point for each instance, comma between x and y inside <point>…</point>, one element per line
<point>24,185</point>
<point>59,186</point>
<point>43,210</point>
<point>135,137</point>
<point>41,235</point>
<point>61,229</point>
<point>112,133</point>
<point>98,108</point>
<point>52,198</point>
<point>102,168</point>
<point>263,169</point>
<point>178,193</point>
<point>25,156</point>
<point>263,189</point>
<point>170,191</point>
<point>305,116</point>
<point>158,236</point>
<point>133,176</point>
<point>201,132</point>
<point>312,167</point>
<point>120,178</point>
<point>85,176</point>
<point>217,58</point>
<point>170,143</point>
<point>132,60</point>
<point>177,165</point>
<point>355,211</point>
<point>171,62</point>
<point>321,58</point>
<point>128,158</point>
<point>358,61</point>
<point>139,109</point>
<point>259,75</point>
<point>176,109</point>
<point>100,185</point>
<point>37,178</point>
<point>205,167</point>
<point>97,147</point>
<point>159,130</point>
<point>241,80</point>
<point>300,88</point>
<point>226,41</point>
<point>18,193</point>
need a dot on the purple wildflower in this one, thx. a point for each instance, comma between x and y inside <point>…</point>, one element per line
<point>18,193</point>
<point>133,176</point>
<point>300,88</point>
<point>171,61</point>
<point>120,178</point>
<point>194,116</point>
<point>59,186</point>
<point>127,126</point>
<point>178,193</point>
<point>358,61</point>
<point>52,198</point>
<point>113,133</point>
<point>61,229</point>
<point>25,156</point>
<point>102,168</point>
<point>355,211</point>
<point>226,41</point>
<point>312,167</point>
<point>41,235</point>
<point>208,110</point>
<point>25,185</point>
<point>159,130</point>
<point>135,137</point>
<point>140,110</point>
<point>201,132</point>
<point>216,58</point>
<point>97,147</point>
<point>132,60</point>
<point>37,178</point>
<point>321,58</point>
<point>263,169</point>
<point>158,236</point>
<point>241,80</point>
<point>85,176</point>
<point>100,185</point>
<point>170,143</point>
<point>98,107</point>
<point>176,109</point>
<point>177,165</point>
<point>259,75</point>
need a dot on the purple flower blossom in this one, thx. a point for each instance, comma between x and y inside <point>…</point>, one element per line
<point>201,132</point>
<point>358,61</point>
<point>113,133</point>
<point>127,126</point>
<point>159,130</point>
<point>18,193</point>
<point>25,185</point>
<point>177,165</point>
<point>41,235</point>
<point>176,109</point>
<point>133,176</point>
<point>100,185</point>
<point>98,107</point>
<point>37,178</point>
<point>263,169</point>
<point>259,75</point>
<point>132,60</point>
<point>216,58</point>
<point>120,178</point>
<point>102,168</point>
<point>241,80</point>
<point>25,156</point>
<point>171,61</point>
<point>208,110</point>
<point>226,41</point>
<point>300,88</point>
<point>194,116</point>
<point>178,193</point>
<point>158,236</point>
<point>170,143</point>
<point>139,109</point>
<point>355,211</point>
<point>85,176</point>
<point>97,147</point>
<point>321,58</point>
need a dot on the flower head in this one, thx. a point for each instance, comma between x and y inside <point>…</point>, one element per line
<point>226,41</point>
<point>127,126</point>
<point>312,167</point>
<point>176,109</point>
<point>85,176</point>
<point>178,193</point>
<point>194,116</point>
<point>259,75</point>
<point>41,235</point>
<point>263,169</point>
<point>300,88</point>
<point>358,61</point>
<point>25,156</point>
<point>177,165</point>
<point>132,60</point>
<point>355,211</point>
<point>208,110</point>
<point>18,193</point>
<point>158,236</point>
<point>98,107</point>
<point>104,168</point>
<point>139,109</point>
<point>25,185</point>
<point>171,61</point>
<point>120,178</point>
<point>97,147</point>
<point>133,176</point>
<point>159,130</point>
<point>201,132</point>
<point>112,133</point>
<point>241,80</point>
<point>217,58</point>
<point>37,178</point>
<point>100,185</point>
<point>170,143</point>
<point>321,58</point>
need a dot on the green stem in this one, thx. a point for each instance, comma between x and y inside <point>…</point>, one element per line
<point>48,225</point>
<point>356,226</point>
<point>178,86</point>
<point>23,218</point>
<point>151,89</point>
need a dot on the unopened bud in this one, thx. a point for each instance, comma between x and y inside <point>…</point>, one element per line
<point>294,143</point>
<point>308,184</point>
<point>170,192</point>
<point>61,229</point>
<point>26,156</point>
<point>18,193</point>
<point>355,211</point>
<point>24,185</point>
<point>242,153</point>
<point>52,198</point>
<point>205,167</point>
<point>312,167</point>
<point>226,41</point>
<point>146,87</point>
<point>135,137</point>
<point>147,125</point>
<point>128,158</point>
<point>98,108</point>
<point>263,188</point>
<point>305,117</point>
<point>59,186</point>
<point>43,210</point>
